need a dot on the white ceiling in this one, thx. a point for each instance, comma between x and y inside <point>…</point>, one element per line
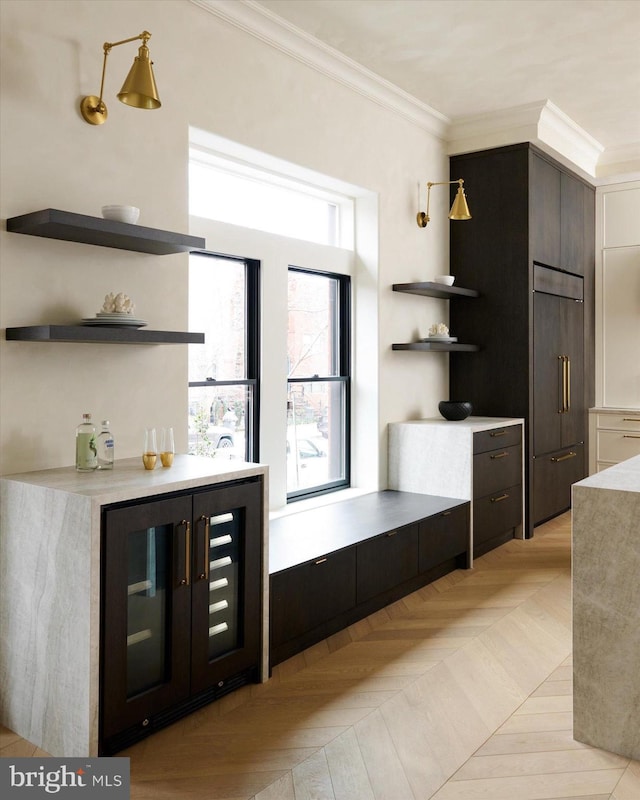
<point>470,57</point>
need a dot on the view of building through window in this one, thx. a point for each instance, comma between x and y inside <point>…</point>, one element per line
<point>317,395</point>
<point>221,386</point>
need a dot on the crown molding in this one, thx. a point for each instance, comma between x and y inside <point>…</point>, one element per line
<point>277,32</point>
<point>542,123</point>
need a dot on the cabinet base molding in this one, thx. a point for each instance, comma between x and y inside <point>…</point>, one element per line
<point>155,723</point>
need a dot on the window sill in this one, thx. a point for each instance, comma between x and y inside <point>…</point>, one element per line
<point>317,502</point>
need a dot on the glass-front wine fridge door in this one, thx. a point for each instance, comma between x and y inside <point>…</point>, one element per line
<point>146,611</point>
<point>227,580</point>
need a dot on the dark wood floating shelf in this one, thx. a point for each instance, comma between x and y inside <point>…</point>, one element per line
<point>111,335</point>
<point>54,224</point>
<point>428,289</point>
<point>437,347</point>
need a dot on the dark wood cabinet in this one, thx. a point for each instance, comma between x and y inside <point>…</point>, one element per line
<point>530,252</point>
<point>386,561</point>
<point>332,566</point>
<point>181,606</point>
<point>305,597</point>
<point>497,487</point>
<point>443,537</point>
<point>559,414</point>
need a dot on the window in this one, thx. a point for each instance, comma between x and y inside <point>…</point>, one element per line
<point>318,385</point>
<point>241,194</point>
<point>223,372</point>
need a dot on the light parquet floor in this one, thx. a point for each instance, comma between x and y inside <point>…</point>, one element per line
<point>460,691</point>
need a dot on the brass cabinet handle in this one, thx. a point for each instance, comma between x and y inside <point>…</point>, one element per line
<point>500,498</point>
<point>558,459</point>
<point>320,561</point>
<point>493,434</point>
<point>630,436</point>
<point>630,419</point>
<point>499,455</point>
<point>568,370</point>
<point>566,384</point>
<point>186,580</point>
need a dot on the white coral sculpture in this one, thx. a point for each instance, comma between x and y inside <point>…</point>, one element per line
<point>439,330</point>
<point>119,303</point>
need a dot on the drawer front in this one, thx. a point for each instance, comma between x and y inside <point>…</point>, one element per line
<point>386,561</point>
<point>496,468</point>
<point>625,421</point>
<point>496,513</point>
<point>443,537</point>
<point>617,445</point>
<point>496,438</point>
<point>306,596</point>
<point>553,476</point>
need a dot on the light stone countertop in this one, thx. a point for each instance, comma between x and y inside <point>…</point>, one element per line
<point>470,424</point>
<point>606,609</point>
<point>129,480</point>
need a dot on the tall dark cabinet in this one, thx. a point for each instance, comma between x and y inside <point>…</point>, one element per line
<point>530,251</point>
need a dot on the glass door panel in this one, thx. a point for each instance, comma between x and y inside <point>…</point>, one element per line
<point>146,613</point>
<point>227,583</point>
<point>147,608</point>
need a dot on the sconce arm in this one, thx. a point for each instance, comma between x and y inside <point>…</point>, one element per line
<point>423,217</point>
<point>145,36</point>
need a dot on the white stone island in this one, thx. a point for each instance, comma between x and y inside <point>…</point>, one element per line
<point>606,609</point>
<point>50,545</point>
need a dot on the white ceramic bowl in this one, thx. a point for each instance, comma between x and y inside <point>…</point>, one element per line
<point>446,279</point>
<point>128,214</point>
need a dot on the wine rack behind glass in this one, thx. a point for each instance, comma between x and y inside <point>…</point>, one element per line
<point>225,533</point>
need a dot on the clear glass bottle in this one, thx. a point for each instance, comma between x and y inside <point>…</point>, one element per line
<point>86,449</point>
<point>106,450</point>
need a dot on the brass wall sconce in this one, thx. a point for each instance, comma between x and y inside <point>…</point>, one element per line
<point>139,89</point>
<point>459,209</point>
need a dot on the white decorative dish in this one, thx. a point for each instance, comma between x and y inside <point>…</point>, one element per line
<point>128,214</point>
<point>114,321</point>
<point>439,339</point>
<point>447,280</point>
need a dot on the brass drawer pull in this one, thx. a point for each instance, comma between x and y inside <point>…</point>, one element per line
<point>630,419</point>
<point>499,455</point>
<point>391,533</point>
<point>493,434</point>
<point>557,459</point>
<point>320,561</point>
<point>630,436</point>
<point>500,498</point>
<point>445,514</point>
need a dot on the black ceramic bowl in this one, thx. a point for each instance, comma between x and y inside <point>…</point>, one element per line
<point>455,409</point>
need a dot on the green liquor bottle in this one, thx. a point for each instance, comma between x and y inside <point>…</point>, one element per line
<point>86,449</point>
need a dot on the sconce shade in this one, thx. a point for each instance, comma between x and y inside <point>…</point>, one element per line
<point>139,89</point>
<point>460,209</point>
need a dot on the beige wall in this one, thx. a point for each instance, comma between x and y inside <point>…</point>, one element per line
<point>618,296</point>
<point>215,77</point>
